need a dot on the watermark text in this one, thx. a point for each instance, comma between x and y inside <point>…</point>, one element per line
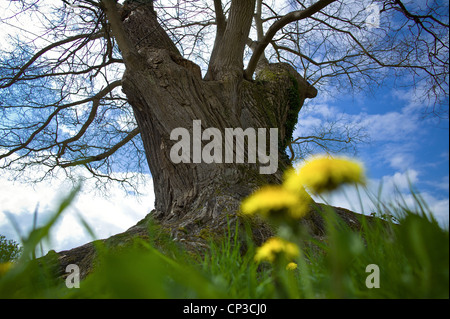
<point>233,145</point>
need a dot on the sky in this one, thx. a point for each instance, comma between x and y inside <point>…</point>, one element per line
<point>406,147</point>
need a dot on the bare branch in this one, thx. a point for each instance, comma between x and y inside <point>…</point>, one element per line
<point>227,57</point>
<point>104,155</point>
<point>418,18</point>
<point>43,51</point>
<point>95,104</point>
<point>128,50</point>
<point>220,17</point>
<point>258,21</point>
<point>330,136</point>
<point>58,109</point>
<point>277,26</point>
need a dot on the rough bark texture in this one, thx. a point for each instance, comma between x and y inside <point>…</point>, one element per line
<point>167,92</point>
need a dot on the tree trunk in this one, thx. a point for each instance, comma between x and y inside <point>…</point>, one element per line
<point>167,92</point>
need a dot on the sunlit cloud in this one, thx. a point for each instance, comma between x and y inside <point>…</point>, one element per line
<point>106,215</point>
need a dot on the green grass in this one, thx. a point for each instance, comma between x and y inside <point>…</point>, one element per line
<point>412,256</point>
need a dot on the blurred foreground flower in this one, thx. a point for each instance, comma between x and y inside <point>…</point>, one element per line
<point>322,173</point>
<point>276,247</point>
<point>291,266</point>
<point>276,201</point>
<point>4,267</point>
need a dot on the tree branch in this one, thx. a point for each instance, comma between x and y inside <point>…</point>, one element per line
<point>258,21</point>
<point>92,115</point>
<point>220,17</point>
<point>278,25</point>
<point>227,57</point>
<point>59,108</point>
<point>42,52</point>
<point>128,51</point>
<point>104,155</point>
<point>416,17</point>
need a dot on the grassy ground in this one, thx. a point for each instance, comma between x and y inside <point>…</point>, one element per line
<point>411,259</point>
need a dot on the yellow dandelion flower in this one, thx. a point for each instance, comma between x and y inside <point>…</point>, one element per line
<point>291,181</point>
<point>274,200</point>
<point>268,197</point>
<point>325,174</point>
<point>291,266</point>
<point>274,247</point>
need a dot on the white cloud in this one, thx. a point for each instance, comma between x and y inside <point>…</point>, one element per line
<point>394,135</point>
<point>68,130</point>
<point>391,126</point>
<point>416,100</point>
<point>440,209</point>
<point>306,124</point>
<point>400,180</point>
<point>395,189</point>
<point>400,160</point>
<point>325,110</point>
<point>105,215</point>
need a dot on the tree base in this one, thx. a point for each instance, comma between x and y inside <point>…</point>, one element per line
<point>195,234</point>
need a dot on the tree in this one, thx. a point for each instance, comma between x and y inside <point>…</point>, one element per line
<point>9,250</point>
<point>62,104</point>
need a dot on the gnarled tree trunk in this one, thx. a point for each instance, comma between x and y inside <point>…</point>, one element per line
<point>167,92</point>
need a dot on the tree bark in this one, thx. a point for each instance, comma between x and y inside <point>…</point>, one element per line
<point>227,59</point>
<point>167,92</point>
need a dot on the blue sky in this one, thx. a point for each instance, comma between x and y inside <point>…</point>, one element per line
<point>407,144</point>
